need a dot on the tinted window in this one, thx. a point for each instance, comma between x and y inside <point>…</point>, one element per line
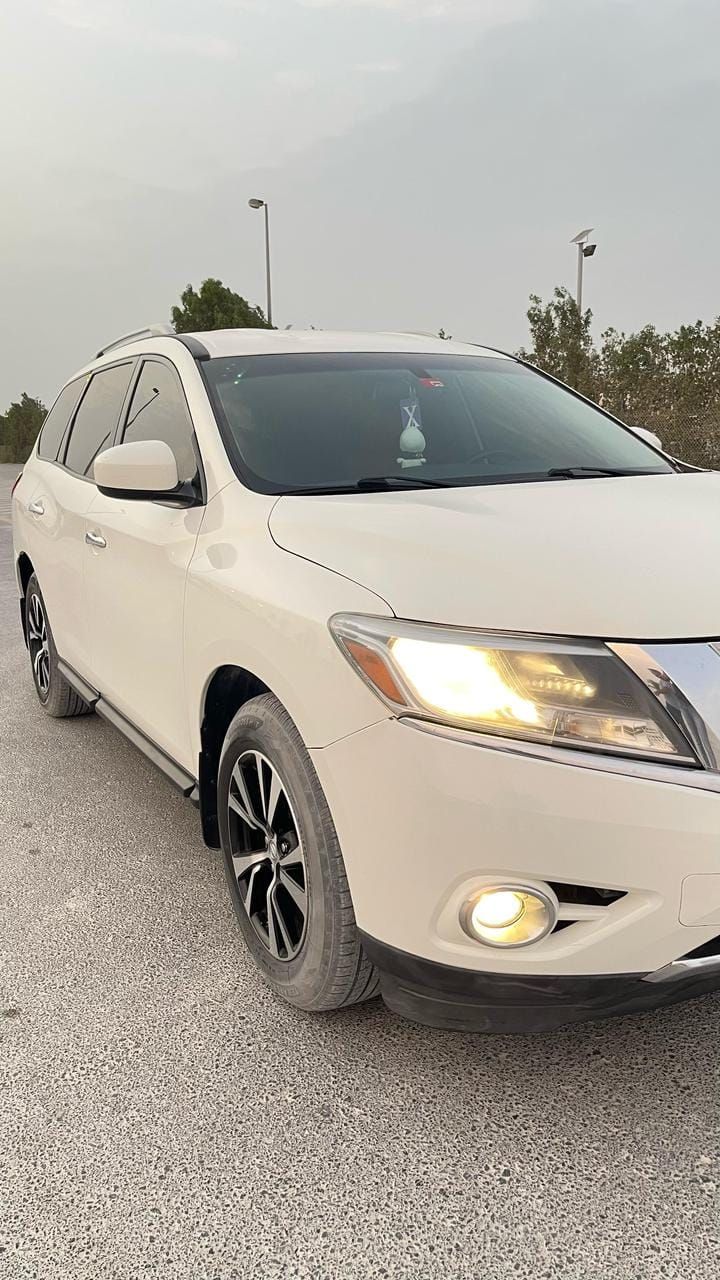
<point>332,420</point>
<point>96,419</point>
<point>158,412</point>
<point>53,428</point>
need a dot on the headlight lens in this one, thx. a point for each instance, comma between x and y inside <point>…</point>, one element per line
<point>561,692</point>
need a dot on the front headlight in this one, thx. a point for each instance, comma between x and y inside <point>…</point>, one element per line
<point>560,692</point>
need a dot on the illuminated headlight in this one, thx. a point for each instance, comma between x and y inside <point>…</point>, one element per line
<point>508,916</point>
<point>560,692</point>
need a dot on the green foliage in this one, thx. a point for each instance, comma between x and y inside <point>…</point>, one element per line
<point>669,382</point>
<point>636,377</point>
<point>215,307</point>
<point>19,428</point>
<point>562,341</point>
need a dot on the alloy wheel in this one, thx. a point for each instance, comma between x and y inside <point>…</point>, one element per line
<point>38,645</point>
<point>267,855</point>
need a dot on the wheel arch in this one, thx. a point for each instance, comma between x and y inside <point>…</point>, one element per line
<point>24,569</point>
<point>227,690</point>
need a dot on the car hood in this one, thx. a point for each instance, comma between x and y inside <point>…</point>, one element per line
<point>632,557</point>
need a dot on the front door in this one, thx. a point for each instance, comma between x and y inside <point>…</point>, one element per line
<point>138,553</point>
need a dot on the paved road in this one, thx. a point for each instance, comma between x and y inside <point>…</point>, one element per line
<point>163,1115</point>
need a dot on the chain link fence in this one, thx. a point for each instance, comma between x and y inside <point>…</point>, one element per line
<point>690,437</point>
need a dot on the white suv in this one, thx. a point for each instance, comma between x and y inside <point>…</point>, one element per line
<point>426,637</point>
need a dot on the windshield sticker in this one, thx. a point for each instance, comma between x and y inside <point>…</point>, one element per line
<point>430,382</point>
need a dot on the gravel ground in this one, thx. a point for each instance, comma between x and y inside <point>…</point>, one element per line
<point>162,1114</point>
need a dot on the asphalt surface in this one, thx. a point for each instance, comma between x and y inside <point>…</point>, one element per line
<point>162,1114</point>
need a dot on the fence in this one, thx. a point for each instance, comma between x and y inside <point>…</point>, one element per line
<point>688,437</point>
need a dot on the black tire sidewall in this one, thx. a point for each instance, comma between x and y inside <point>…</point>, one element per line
<point>62,701</point>
<point>302,979</point>
<point>33,589</point>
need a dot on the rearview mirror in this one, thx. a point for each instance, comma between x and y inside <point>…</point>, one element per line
<point>648,436</point>
<point>141,469</point>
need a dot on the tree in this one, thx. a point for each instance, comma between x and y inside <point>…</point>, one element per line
<point>695,354</point>
<point>215,307</point>
<point>561,341</point>
<point>635,375</point>
<point>669,382</point>
<point>20,426</point>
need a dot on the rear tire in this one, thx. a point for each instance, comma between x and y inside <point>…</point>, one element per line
<point>56,696</point>
<point>284,866</point>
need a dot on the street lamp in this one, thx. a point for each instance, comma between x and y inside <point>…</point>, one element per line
<point>262,204</point>
<point>585,250</point>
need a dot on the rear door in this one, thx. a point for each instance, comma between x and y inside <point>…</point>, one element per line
<point>34,504</point>
<point>37,475</point>
<point>136,568</point>
<point>80,425</point>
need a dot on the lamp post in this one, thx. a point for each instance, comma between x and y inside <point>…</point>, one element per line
<point>585,250</point>
<point>262,204</point>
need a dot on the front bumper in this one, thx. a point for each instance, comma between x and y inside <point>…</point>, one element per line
<point>439,995</point>
<point>425,818</point>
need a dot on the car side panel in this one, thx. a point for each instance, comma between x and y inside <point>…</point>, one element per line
<point>252,605</point>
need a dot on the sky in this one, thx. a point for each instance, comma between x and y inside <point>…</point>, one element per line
<point>426,163</point>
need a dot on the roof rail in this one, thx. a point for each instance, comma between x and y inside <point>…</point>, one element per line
<point>410,333</point>
<point>161,330</point>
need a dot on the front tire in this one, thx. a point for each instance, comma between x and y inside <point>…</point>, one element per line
<point>284,866</point>
<point>56,696</point>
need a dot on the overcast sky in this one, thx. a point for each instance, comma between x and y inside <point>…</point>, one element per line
<point>426,163</point>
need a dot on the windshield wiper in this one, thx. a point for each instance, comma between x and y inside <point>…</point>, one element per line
<point>579,473</point>
<point>373,484</point>
<point>390,482</point>
<point>385,484</point>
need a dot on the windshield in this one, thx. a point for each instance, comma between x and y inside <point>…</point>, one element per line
<point>329,422</point>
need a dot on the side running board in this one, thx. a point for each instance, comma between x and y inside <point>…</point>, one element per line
<point>173,771</point>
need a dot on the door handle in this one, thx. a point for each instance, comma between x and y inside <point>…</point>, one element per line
<point>36,508</point>
<point>95,539</point>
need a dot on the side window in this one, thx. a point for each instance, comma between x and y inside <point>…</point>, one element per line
<point>53,428</point>
<point>96,419</point>
<point>158,411</point>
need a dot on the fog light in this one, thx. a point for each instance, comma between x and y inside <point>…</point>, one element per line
<point>508,916</point>
<point>497,909</point>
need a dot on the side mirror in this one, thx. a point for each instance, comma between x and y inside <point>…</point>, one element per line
<point>648,436</point>
<point>141,469</point>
